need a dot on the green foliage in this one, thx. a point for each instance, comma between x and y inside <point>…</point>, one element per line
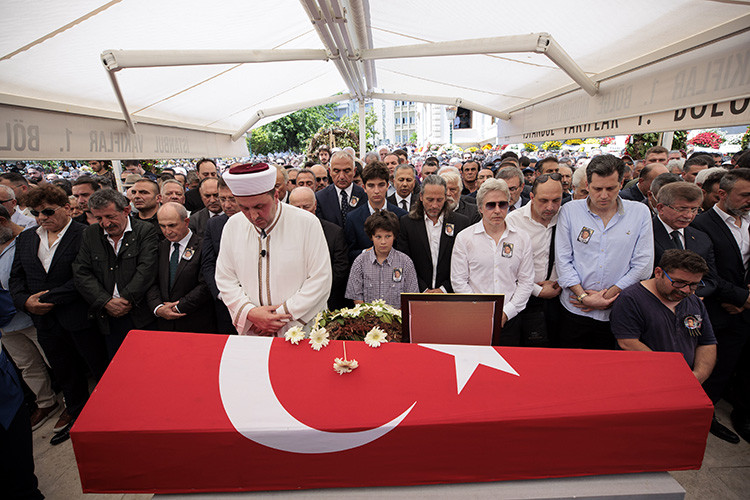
<point>413,138</point>
<point>640,143</point>
<point>291,132</point>
<point>679,139</point>
<point>745,139</point>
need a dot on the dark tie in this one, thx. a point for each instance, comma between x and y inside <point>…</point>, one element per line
<point>676,240</point>
<point>263,233</point>
<point>173,261</point>
<point>403,205</point>
<point>344,207</point>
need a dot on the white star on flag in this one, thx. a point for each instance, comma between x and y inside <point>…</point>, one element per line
<point>468,357</point>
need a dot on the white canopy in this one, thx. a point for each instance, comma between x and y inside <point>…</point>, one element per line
<point>194,76</point>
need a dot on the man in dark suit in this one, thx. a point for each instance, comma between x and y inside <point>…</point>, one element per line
<point>464,205</point>
<point>180,298</point>
<point>115,267</point>
<point>405,181</point>
<point>729,307</point>
<point>640,190</point>
<point>209,190</point>
<point>427,235</point>
<point>513,177</point>
<point>337,200</point>
<point>375,179</point>
<point>42,284</point>
<point>210,251</point>
<point>677,205</point>
<point>304,198</point>
<point>206,169</point>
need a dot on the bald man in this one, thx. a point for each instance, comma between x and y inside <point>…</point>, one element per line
<point>304,198</point>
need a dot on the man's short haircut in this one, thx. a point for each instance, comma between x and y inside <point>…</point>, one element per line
<point>656,150</point>
<point>697,160</point>
<point>432,160</point>
<point>172,181</point>
<point>208,179</point>
<point>508,154</point>
<point>15,178</point>
<point>604,166</point>
<point>647,168</point>
<point>154,185</point>
<point>8,191</point>
<point>65,185</point>
<point>102,199</point>
<point>669,194</point>
<point>180,209</point>
<point>579,175</point>
<point>400,152</point>
<point>283,171</point>
<point>508,164</point>
<point>384,220</point>
<point>491,185</point>
<point>686,260</point>
<point>664,179</point>
<point>479,165</point>
<point>165,176</point>
<point>306,171</point>
<point>712,179</point>
<point>47,193</point>
<point>404,166</point>
<point>510,172</point>
<point>525,161</point>
<point>85,179</point>
<point>324,148</point>
<point>222,183</point>
<point>549,159</point>
<point>204,160</point>
<point>343,154</point>
<point>131,163</point>
<point>554,177</point>
<point>696,154</point>
<point>375,170</point>
<point>732,176</point>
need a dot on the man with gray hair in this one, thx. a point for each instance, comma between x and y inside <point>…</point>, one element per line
<point>335,201</point>
<point>463,205</point>
<point>495,257</point>
<point>579,184</point>
<point>11,204</point>
<point>427,235</point>
<point>405,182</point>
<point>115,267</point>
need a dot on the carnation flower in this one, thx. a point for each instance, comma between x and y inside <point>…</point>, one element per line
<point>318,338</point>
<point>375,337</point>
<point>342,366</point>
<point>294,335</point>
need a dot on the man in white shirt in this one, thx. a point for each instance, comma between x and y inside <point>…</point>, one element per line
<point>8,200</point>
<point>495,257</point>
<point>538,219</point>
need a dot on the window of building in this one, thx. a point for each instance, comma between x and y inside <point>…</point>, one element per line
<point>463,118</point>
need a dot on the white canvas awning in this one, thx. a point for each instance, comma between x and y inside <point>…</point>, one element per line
<point>193,76</point>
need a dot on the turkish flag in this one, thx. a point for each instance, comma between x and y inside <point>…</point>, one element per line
<point>180,412</point>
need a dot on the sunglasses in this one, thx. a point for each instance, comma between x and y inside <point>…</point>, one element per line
<point>321,179</point>
<point>545,177</point>
<point>490,205</point>
<point>47,212</point>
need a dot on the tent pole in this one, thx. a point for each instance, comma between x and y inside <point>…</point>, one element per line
<point>362,131</point>
<point>666,139</point>
<point>117,167</point>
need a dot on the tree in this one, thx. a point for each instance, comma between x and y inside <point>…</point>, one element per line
<point>343,134</point>
<point>290,132</point>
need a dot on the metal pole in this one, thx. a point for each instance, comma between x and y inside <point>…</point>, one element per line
<point>362,130</point>
<point>118,175</point>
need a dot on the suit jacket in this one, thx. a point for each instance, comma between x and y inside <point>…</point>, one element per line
<point>339,264</point>
<point>193,200</point>
<point>199,220</point>
<point>189,290</point>
<point>413,241</point>
<point>28,277</point>
<point>731,276</point>
<point>468,210</point>
<point>209,254</point>
<point>97,269</point>
<point>695,240</point>
<point>354,231</point>
<point>633,193</point>
<point>329,203</point>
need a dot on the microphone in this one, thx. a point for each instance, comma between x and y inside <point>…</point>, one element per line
<point>262,253</point>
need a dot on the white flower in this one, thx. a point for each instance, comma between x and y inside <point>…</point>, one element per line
<point>342,366</point>
<point>294,335</point>
<point>318,338</point>
<point>318,317</point>
<point>375,337</point>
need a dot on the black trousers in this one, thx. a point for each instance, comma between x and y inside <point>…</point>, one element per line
<point>540,322</point>
<point>731,342</point>
<point>511,332</point>
<point>582,332</point>
<point>71,356</point>
<point>17,478</point>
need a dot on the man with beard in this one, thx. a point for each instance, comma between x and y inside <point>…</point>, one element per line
<point>463,205</point>
<point>726,224</point>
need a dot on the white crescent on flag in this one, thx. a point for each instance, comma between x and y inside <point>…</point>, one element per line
<point>257,414</point>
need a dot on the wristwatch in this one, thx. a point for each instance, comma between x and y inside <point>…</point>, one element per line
<point>581,297</point>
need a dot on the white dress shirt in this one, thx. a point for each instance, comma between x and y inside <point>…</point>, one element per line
<point>116,247</point>
<point>478,265</point>
<point>46,251</point>
<point>541,239</point>
<point>669,231</point>
<point>740,233</point>
<point>433,237</point>
<point>399,200</point>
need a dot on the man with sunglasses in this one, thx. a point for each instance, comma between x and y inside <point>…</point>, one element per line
<point>663,313</point>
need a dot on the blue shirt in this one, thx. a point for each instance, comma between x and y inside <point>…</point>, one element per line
<point>370,280</point>
<point>21,320</point>
<point>595,257</point>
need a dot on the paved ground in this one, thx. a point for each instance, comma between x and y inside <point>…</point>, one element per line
<point>725,473</point>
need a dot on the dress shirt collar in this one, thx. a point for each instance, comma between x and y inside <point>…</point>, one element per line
<point>729,218</point>
<point>429,223</point>
<point>372,209</point>
<point>128,229</point>
<point>669,229</point>
<point>43,232</point>
<point>348,191</point>
<point>387,259</point>
<point>620,207</point>
<point>399,199</point>
<point>526,212</point>
<point>183,243</point>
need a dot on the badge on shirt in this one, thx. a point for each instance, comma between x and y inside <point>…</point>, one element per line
<point>585,235</point>
<point>353,201</point>
<point>188,253</point>
<point>449,228</point>
<point>397,274</point>
<point>693,324</point>
<point>507,250</point>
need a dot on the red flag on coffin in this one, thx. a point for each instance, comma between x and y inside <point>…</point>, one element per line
<point>188,412</point>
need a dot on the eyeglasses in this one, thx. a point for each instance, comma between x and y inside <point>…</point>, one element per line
<point>683,284</point>
<point>491,205</point>
<point>6,201</point>
<point>321,179</point>
<point>514,189</point>
<point>47,212</point>
<point>684,210</point>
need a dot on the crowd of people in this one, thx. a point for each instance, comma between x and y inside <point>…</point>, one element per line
<point>594,253</point>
